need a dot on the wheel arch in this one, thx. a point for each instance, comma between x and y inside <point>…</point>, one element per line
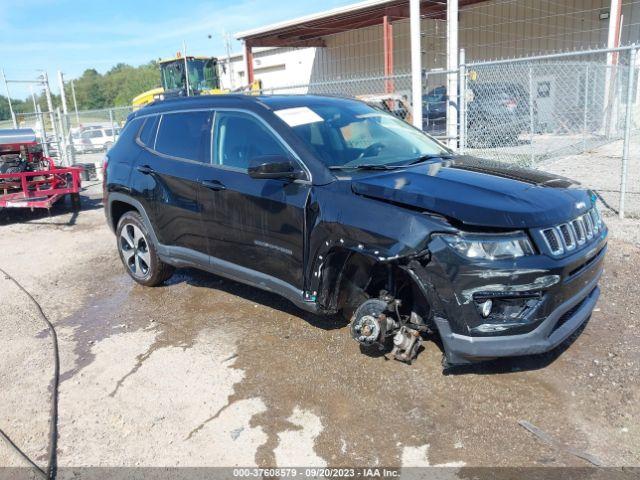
<point>349,277</point>
<point>119,204</point>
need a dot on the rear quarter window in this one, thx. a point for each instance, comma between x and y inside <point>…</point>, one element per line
<point>129,132</point>
<point>148,132</point>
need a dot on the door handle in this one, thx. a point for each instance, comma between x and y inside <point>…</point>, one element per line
<point>213,185</point>
<point>145,169</point>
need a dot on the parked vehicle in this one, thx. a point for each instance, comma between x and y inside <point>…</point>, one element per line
<point>96,139</point>
<point>497,113</point>
<point>338,206</point>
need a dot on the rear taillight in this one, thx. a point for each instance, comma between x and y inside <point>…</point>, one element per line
<point>103,174</point>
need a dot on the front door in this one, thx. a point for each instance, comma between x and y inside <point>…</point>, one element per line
<point>254,223</point>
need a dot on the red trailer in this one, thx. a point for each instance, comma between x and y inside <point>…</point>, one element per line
<point>28,179</point>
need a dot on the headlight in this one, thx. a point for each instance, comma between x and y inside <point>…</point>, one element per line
<point>490,247</point>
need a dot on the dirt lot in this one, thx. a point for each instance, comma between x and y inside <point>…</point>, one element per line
<point>205,371</point>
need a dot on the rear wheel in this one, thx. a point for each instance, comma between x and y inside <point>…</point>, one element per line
<point>138,253</point>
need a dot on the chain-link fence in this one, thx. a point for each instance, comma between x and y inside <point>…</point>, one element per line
<point>79,138</point>
<point>562,112</point>
<point>88,134</point>
<point>574,113</point>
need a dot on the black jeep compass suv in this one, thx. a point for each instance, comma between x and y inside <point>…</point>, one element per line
<point>338,206</point>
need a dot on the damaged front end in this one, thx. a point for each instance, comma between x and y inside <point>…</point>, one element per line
<point>517,298</point>
<point>488,295</point>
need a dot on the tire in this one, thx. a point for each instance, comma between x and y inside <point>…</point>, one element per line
<point>75,202</point>
<point>138,253</point>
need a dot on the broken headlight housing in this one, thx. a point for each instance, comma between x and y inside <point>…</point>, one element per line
<point>490,247</point>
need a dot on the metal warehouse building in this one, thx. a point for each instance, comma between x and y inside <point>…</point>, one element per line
<point>373,37</point>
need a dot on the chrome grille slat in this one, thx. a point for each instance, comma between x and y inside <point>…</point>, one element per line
<point>578,228</point>
<point>589,226</point>
<point>554,241</point>
<point>569,236</point>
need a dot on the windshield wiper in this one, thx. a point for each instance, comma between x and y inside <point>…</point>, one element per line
<point>366,166</point>
<point>429,156</point>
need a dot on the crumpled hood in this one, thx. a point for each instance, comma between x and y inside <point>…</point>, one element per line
<point>480,193</point>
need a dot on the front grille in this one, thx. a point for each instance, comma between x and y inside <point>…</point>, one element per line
<point>568,236</point>
<point>553,240</point>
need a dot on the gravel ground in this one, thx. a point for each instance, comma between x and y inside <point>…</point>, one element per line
<point>601,169</point>
<point>205,371</point>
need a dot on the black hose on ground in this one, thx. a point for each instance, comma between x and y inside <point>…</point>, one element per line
<point>52,465</point>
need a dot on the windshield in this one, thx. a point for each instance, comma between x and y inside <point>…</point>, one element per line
<point>353,134</point>
<point>173,75</point>
<point>202,74</point>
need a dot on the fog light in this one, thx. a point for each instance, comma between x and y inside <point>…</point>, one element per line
<point>485,308</point>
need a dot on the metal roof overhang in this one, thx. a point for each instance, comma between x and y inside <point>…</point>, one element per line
<point>309,31</point>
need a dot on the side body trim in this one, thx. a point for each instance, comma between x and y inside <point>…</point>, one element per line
<point>185,257</point>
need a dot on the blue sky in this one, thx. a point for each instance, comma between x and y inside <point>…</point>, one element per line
<point>74,35</point>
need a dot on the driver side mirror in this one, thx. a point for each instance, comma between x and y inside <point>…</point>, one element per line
<point>274,167</point>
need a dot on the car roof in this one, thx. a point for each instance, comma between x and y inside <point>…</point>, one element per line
<point>270,102</point>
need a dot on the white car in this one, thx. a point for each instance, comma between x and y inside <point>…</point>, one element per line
<point>96,140</point>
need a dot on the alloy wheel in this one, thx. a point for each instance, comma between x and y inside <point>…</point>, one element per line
<point>135,250</point>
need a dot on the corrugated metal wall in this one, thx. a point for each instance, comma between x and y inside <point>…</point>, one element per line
<point>490,30</point>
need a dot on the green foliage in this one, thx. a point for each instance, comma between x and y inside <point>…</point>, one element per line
<point>115,88</point>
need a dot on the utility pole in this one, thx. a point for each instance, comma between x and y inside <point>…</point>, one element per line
<point>6,87</point>
<point>613,41</point>
<point>416,62</point>
<point>65,123</point>
<point>452,75</point>
<point>45,145</point>
<point>186,67</point>
<point>75,103</point>
<point>47,92</point>
<point>39,130</point>
<point>227,42</point>
<point>63,96</point>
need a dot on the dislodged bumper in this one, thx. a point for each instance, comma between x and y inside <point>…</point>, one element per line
<point>558,326</point>
<point>525,306</point>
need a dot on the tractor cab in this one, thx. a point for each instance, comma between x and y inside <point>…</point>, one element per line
<point>202,76</point>
<point>183,77</point>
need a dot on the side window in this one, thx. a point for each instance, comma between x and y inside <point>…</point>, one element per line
<point>185,135</point>
<point>148,132</point>
<point>240,137</point>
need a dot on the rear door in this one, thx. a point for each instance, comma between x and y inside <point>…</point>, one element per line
<point>171,167</point>
<point>254,223</point>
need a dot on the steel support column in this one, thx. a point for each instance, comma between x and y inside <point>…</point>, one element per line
<point>387,31</point>
<point>416,63</point>
<point>452,78</point>
<point>248,58</point>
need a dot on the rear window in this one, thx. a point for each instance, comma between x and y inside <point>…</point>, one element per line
<point>185,135</point>
<point>148,133</point>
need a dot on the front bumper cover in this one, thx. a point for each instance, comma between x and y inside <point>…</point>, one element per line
<point>557,327</point>
<point>454,287</point>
